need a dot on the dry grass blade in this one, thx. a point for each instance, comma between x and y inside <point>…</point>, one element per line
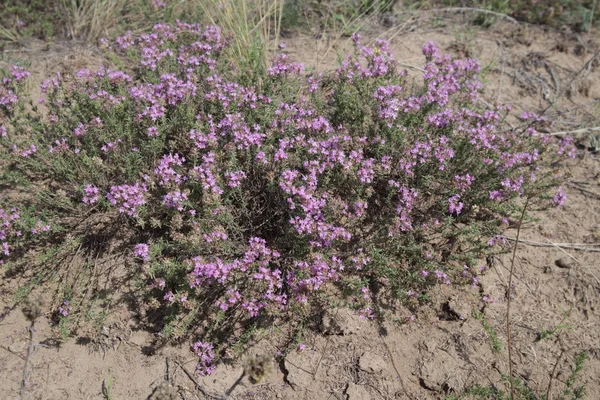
<point>475,10</point>
<point>571,246</point>
<point>552,375</point>
<point>90,19</point>
<point>359,16</point>
<point>582,130</point>
<point>196,383</point>
<point>400,29</point>
<point>252,23</point>
<point>8,34</point>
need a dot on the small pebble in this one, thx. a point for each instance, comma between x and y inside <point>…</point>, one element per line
<point>564,262</point>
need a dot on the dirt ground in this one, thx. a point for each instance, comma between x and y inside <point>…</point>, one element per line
<point>445,350</point>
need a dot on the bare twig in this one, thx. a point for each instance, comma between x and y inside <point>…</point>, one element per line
<point>576,131</point>
<point>572,246</point>
<point>410,66</point>
<point>12,352</point>
<point>500,81</point>
<point>578,187</point>
<point>198,386</point>
<point>476,10</point>
<point>585,66</point>
<point>325,348</point>
<point>232,388</point>
<point>24,384</point>
<point>508,303</point>
<point>552,375</point>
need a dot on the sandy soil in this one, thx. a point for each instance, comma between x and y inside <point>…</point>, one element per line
<point>439,353</point>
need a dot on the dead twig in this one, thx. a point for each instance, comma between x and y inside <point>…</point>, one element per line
<point>576,131</point>
<point>12,352</point>
<point>579,246</point>
<point>324,349</point>
<point>410,66</point>
<point>475,10</point>
<point>508,302</point>
<point>24,384</point>
<point>585,66</point>
<point>577,186</point>
<point>552,375</point>
<point>232,388</point>
<point>198,386</point>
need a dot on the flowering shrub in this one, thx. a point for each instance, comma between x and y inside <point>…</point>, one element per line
<point>247,196</point>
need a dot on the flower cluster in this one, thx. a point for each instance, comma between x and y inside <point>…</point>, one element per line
<point>9,86</point>
<point>65,308</point>
<point>7,230</point>
<point>205,353</point>
<point>90,194</point>
<point>141,251</point>
<point>127,197</point>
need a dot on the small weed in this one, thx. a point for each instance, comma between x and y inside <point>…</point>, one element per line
<point>546,333</point>
<point>495,342</point>
<point>571,391</point>
<point>522,391</point>
<point>107,388</point>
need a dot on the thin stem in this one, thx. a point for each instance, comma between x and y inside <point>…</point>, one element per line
<point>582,130</point>
<point>27,356</point>
<point>508,303</point>
<point>583,246</point>
<point>552,375</point>
<point>198,386</point>
<point>232,388</point>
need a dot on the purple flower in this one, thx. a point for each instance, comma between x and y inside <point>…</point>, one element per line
<point>234,178</point>
<point>80,130</point>
<point>204,351</point>
<point>152,131</point>
<point>282,66</point>
<point>19,73</point>
<point>498,239</point>
<point>142,250</point>
<point>90,194</point>
<point>455,206</point>
<point>128,197</point>
<point>65,308</point>
<point>166,172</point>
<point>40,227</point>
<point>175,200</point>
<point>560,197</point>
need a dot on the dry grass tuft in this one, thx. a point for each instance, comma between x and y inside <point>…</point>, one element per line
<point>256,26</point>
<point>91,19</point>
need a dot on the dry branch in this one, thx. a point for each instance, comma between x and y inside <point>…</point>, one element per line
<point>572,246</point>
<point>576,131</point>
<point>476,10</point>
